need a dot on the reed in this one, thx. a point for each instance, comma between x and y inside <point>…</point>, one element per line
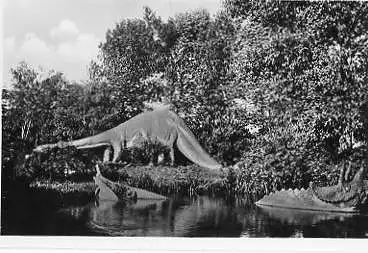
<point>64,193</point>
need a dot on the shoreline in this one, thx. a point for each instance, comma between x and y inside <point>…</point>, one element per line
<point>167,181</point>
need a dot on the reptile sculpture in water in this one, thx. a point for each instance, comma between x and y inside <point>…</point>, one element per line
<point>107,190</point>
<point>161,125</point>
<point>343,197</point>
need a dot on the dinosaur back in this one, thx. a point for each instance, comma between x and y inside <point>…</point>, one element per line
<point>166,126</point>
<point>151,125</point>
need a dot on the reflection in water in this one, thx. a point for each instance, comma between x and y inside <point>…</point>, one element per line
<point>202,216</point>
<point>205,216</point>
<point>139,219</point>
<point>302,217</point>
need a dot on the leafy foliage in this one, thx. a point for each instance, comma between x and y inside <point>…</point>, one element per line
<point>298,62</point>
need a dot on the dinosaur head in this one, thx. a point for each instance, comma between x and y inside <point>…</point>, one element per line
<point>41,148</point>
<point>46,147</point>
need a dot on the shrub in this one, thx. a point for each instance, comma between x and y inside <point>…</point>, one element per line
<point>148,152</point>
<point>57,164</point>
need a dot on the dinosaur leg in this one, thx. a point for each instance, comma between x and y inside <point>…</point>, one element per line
<point>347,172</point>
<point>107,155</point>
<point>172,155</point>
<point>171,143</point>
<point>117,152</point>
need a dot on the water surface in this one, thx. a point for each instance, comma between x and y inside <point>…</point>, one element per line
<point>202,217</point>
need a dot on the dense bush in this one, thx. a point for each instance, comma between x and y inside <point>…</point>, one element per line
<point>188,180</point>
<point>284,158</point>
<point>58,164</point>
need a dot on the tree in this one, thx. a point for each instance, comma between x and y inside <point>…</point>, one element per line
<point>304,65</point>
<point>198,74</point>
<point>42,107</point>
<point>184,60</point>
<point>130,53</point>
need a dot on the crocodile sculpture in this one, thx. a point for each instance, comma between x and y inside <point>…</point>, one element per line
<point>107,190</point>
<point>161,125</point>
<point>343,197</point>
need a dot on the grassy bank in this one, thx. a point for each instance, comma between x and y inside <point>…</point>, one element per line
<point>186,180</point>
<point>183,180</point>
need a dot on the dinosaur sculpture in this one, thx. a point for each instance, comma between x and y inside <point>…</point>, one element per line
<point>160,125</point>
<point>343,197</point>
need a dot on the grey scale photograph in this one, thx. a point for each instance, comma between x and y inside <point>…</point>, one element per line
<point>184,118</point>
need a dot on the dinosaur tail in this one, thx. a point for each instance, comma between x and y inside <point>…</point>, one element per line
<point>189,146</point>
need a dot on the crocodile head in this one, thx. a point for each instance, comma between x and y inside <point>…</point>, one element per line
<point>346,194</point>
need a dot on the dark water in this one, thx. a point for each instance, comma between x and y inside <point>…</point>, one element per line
<point>197,217</point>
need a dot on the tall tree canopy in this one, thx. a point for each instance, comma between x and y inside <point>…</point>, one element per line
<point>304,62</point>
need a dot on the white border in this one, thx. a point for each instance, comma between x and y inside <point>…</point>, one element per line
<point>164,244</point>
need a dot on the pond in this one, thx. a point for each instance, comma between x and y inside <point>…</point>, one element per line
<point>201,216</point>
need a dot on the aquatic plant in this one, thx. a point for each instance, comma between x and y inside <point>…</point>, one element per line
<point>64,193</point>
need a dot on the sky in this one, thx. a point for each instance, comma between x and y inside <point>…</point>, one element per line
<point>64,35</point>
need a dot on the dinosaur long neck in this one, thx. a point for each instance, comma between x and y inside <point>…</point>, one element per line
<point>101,139</point>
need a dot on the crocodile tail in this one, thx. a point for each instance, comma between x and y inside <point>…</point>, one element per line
<point>189,146</point>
